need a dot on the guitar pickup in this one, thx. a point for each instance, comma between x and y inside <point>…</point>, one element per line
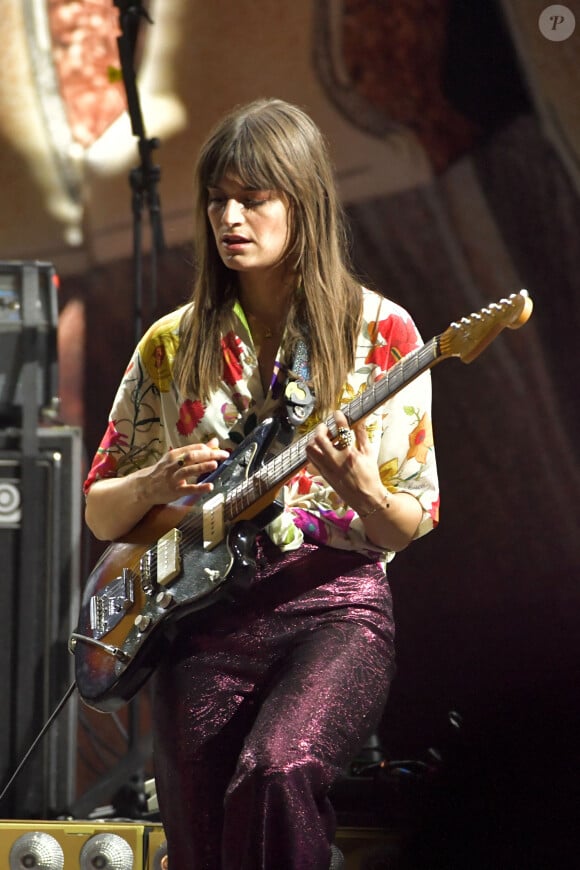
<point>213,521</point>
<point>168,557</point>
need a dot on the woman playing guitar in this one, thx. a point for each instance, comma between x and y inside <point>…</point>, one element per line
<point>260,700</point>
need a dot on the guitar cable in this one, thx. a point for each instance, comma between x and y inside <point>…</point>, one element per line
<point>39,737</point>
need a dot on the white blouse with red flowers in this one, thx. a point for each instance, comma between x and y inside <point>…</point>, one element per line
<point>149,417</point>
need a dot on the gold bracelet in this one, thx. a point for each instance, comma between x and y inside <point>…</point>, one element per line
<point>383,503</point>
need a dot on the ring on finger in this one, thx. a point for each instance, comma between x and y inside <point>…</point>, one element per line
<point>344,438</point>
<point>181,461</point>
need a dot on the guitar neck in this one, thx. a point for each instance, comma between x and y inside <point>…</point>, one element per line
<point>268,479</point>
<point>406,370</point>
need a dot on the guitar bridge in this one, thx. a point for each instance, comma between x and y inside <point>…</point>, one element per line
<point>108,608</point>
<point>146,570</point>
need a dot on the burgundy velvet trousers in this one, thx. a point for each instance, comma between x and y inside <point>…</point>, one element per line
<point>260,705</point>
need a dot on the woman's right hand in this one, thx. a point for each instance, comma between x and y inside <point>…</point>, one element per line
<point>177,473</point>
<point>116,504</point>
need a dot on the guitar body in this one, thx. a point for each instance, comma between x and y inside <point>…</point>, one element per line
<point>140,589</point>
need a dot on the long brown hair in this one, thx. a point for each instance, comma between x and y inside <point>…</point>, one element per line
<point>273,145</point>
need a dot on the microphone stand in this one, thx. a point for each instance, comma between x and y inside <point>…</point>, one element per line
<point>143,179</point>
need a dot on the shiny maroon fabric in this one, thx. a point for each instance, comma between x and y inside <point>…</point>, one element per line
<point>259,706</point>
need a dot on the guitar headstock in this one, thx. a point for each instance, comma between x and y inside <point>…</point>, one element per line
<point>471,335</point>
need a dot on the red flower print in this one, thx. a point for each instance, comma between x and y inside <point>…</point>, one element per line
<point>400,337</point>
<point>232,351</point>
<point>190,415</point>
<point>105,461</point>
<point>104,465</point>
<point>434,511</point>
<point>112,437</point>
<point>304,481</point>
<point>420,440</point>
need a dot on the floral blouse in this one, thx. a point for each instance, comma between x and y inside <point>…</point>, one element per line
<point>149,417</point>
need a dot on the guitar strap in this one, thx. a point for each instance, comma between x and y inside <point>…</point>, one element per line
<point>298,394</point>
<point>297,406</point>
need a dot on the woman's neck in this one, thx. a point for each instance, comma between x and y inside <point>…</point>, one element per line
<point>266,298</point>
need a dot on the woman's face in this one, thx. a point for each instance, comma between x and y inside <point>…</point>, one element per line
<point>251,227</point>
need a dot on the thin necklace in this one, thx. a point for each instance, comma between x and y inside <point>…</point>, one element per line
<point>267,331</point>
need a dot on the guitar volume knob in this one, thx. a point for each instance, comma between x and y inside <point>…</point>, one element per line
<point>142,623</point>
<point>164,599</point>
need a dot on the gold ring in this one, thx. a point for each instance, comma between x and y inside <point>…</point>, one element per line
<point>181,461</point>
<point>343,438</point>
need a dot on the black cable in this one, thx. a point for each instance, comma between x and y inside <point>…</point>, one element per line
<point>39,737</point>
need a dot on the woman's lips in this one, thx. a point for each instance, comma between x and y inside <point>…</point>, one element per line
<point>234,240</point>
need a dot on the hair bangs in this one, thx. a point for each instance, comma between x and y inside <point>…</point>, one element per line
<point>246,154</point>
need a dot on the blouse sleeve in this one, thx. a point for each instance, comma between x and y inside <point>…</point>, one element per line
<point>400,433</point>
<point>136,434</point>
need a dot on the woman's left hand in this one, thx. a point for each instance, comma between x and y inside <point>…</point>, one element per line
<point>351,471</point>
<point>390,519</point>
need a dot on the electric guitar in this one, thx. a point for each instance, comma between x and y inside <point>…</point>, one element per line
<point>184,556</point>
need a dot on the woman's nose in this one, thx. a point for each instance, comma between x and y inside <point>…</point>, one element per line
<point>232,212</point>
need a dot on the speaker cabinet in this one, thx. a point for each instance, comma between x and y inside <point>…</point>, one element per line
<point>40,535</point>
<point>72,845</point>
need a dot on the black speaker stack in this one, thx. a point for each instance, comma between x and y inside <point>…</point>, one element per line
<point>40,534</point>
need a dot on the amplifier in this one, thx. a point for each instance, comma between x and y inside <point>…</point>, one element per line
<point>40,543</point>
<point>72,845</point>
<point>28,333</point>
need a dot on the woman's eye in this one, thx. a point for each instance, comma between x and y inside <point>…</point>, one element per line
<point>220,201</point>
